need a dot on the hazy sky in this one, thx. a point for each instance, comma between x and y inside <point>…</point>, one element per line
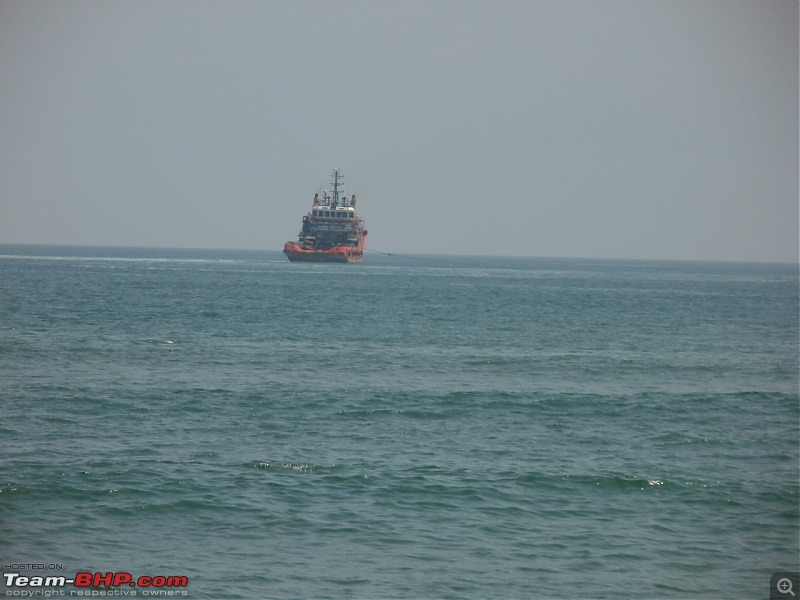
<point>575,128</point>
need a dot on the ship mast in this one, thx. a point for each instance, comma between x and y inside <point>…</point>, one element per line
<point>336,184</point>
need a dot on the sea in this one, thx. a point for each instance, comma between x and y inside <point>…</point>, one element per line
<point>227,424</point>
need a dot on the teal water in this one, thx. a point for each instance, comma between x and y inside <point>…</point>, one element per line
<point>411,427</point>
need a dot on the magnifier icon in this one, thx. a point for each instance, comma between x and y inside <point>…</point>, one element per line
<point>784,586</point>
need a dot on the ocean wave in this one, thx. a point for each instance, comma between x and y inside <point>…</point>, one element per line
<point>292,467</point>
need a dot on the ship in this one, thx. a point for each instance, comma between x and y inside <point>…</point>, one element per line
<point>332,231</point>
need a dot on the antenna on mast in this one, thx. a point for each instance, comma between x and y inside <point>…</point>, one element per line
<point>336,184</point>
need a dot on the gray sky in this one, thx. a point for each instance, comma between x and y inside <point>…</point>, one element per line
<point>575,128</point>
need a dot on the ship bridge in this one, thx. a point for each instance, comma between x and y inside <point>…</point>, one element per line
<point>334,212</point>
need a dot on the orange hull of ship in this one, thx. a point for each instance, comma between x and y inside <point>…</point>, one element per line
<point>338,254</point>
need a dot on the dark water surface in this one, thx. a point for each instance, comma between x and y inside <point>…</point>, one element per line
<point>412,427</point>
